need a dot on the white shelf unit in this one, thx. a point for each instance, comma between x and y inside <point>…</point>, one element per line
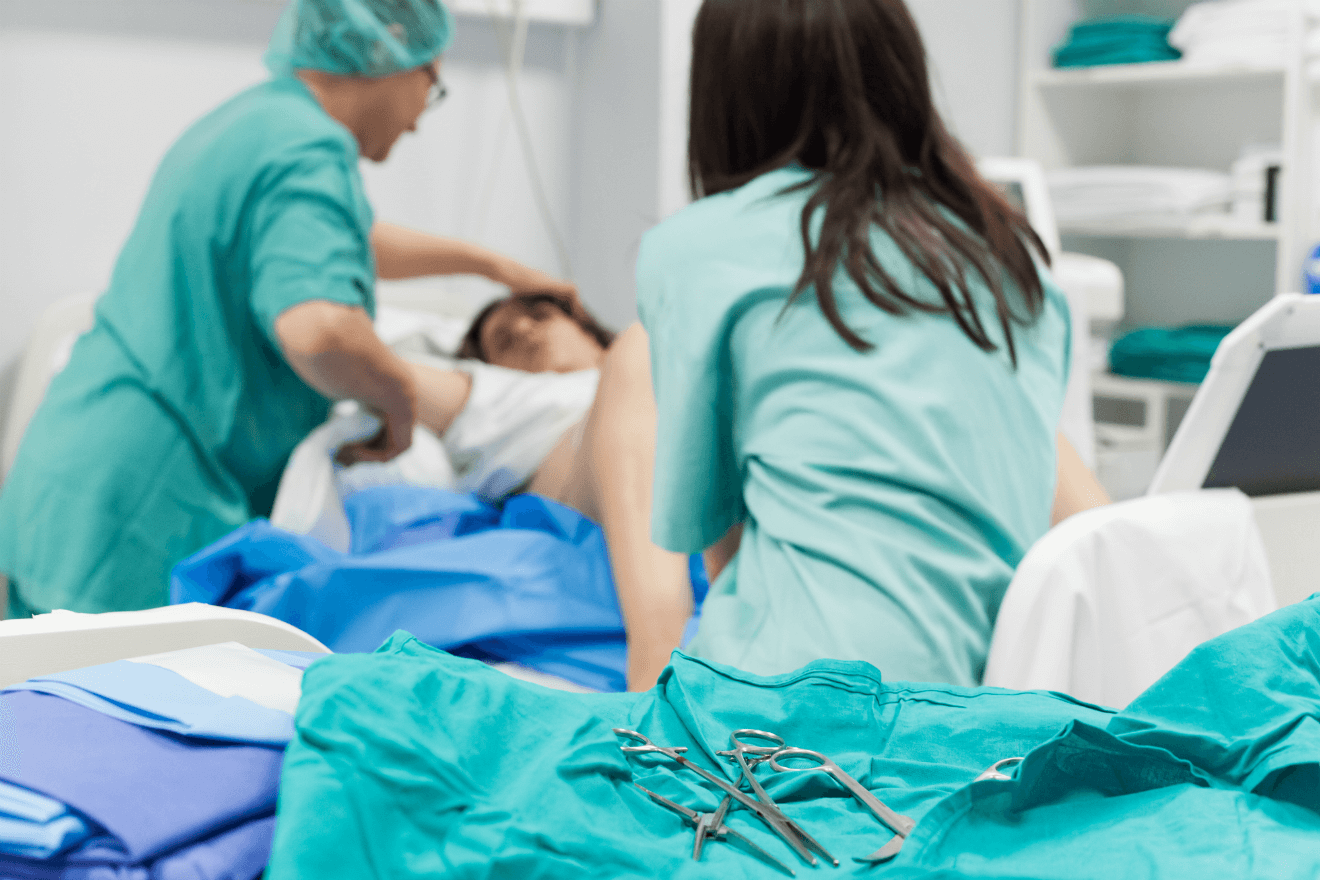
<point>1214,269</point>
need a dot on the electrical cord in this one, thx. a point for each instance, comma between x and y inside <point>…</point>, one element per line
<point>513,46</point>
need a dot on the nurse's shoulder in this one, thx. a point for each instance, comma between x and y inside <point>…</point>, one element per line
<point>276,117</point>
<point>722,246</point>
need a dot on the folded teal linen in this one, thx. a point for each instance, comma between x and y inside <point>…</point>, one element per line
<point>1122,39</point>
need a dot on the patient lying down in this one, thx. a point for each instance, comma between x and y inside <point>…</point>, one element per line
<point>600,458</point>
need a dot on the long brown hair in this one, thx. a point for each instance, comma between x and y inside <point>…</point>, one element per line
<point>841,87</point>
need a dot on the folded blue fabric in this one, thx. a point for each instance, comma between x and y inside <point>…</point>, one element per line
<point>36,826</point>
<point>1171,354</point>
<point>162,699</point>
<point>528,583</point>
<point>237,853</point>
<point>182,790</point>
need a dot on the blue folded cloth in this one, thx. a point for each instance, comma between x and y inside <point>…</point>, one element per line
<point>36,826</point>
<point>149,794</point>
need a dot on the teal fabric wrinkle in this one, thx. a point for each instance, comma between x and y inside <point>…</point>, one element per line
<point>1244,706</point>
<point>1177,831</point>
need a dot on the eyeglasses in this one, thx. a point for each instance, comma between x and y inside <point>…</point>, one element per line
<point>437,92</point>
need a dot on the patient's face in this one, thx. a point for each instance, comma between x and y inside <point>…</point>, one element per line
<point>538,338</point>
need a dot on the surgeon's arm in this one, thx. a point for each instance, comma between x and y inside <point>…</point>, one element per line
<point>409,253</point>
<point>1076,488</point>
<point>335,349</point>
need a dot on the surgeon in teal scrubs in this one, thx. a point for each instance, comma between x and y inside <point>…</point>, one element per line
<point>240,306</point>
<point>858,365</point>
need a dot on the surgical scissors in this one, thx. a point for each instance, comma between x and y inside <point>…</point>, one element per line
<point>767,814</point>
<point>900,825</point>
<point>712,825</point>
<point>739,753</point>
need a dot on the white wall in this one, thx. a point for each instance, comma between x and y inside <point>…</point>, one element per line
<point>972,46</point>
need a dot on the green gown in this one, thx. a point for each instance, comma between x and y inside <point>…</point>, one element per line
<point>172,422</point>
<point>887,496</point>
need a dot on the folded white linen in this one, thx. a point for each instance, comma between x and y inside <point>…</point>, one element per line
<point>1104,193</point>
<point>1220,33</point>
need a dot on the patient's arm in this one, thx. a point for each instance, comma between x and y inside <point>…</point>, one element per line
<point>1076,488</point>
<point>409,253</point>
<point>441,395</point>
<point>721,553</point>
<point>608,476</point>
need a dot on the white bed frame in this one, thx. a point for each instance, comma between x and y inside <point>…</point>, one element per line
<point>63,640</point>
<point>1289,523</point>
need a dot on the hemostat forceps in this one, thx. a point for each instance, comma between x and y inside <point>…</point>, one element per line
<point>901,825</point>
<point>769,815</point>
<point>739,753</point>
<point>712,825</point>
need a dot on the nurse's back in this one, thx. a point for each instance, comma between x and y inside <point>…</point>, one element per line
<point>887,494</point>
<point>876,404</point>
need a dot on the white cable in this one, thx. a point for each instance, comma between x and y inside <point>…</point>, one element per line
<point>513,47</point>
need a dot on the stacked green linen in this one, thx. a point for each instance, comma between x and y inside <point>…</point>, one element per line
<point>1119,39</point>
<point>1177,354</point>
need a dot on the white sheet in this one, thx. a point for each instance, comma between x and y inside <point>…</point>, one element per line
<point>233,670</point>
<point>511,421</point>
<point>1112,598</point>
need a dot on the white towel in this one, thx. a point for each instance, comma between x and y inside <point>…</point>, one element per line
<point>1107,194</point>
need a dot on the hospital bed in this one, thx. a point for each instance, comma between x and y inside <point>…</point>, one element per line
<point>1255,424</point>
<point>64,640</point>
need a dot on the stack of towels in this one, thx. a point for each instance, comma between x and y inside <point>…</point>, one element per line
<point>1137,196</point>
<point>157,768</point>
<point>1120,39</point>
<point>1220,33</point>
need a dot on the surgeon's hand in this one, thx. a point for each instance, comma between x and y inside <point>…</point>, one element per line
<point>390,441</point>
<point>334,348</point>
<point>524,279</point>
<point>410,253</point>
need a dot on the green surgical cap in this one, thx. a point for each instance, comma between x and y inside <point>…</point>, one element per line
<point>359,37</point>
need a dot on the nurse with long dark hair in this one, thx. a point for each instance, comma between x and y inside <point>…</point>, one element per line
<point>859,363</point>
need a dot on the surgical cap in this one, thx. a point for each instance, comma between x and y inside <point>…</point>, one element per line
<point>359,37</point>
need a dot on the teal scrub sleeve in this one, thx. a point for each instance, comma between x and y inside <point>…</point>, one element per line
<point>698,480</point>
<point>311,241</point>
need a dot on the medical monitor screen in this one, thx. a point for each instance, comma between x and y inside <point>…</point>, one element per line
<point>1272,446</point>
<point>1012,190</point>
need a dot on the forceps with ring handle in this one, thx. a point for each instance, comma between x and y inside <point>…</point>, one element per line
<point>771,816</point>
<point>739,753</point>
<point>901,825</point>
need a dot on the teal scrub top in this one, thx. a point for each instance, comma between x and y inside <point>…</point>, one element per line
<point>172,422</point>
<point>887,496</point>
